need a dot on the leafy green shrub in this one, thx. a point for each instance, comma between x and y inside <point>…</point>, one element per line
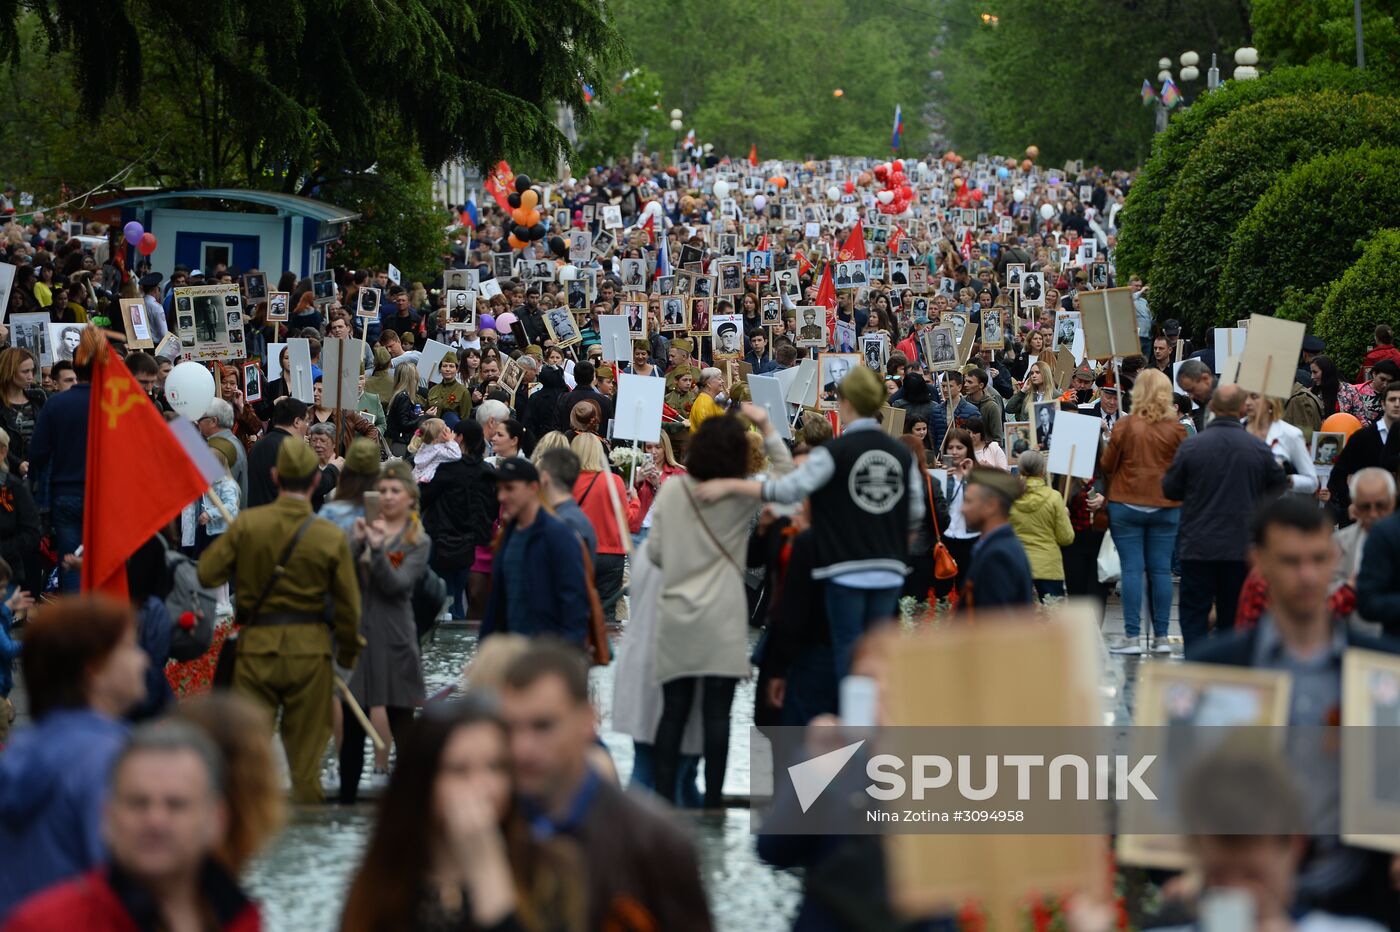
<point>1363,297</point>
<point>1304,231</point>
<point>1147,200</point>
<point>1236,163</point>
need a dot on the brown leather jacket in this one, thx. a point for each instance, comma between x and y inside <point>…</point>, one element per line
<point>1136,459</point>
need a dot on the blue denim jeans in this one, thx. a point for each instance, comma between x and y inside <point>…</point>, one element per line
<point>67,518</point>
<point>811,686</point>
<point>456,581</point>
<point>850,612</point>
<point>1146,541</point>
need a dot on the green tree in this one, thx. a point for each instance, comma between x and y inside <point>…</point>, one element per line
<point>746,73</point>
<point>1140,221</point>
<point>398,221</point>
<point>1363,297</point>
<point>1233,165</point>
<point>1305,230</point>
<point>1065,75</point>
<point>289,94</point>
<point>622,115</point>
<point>1311,31</point>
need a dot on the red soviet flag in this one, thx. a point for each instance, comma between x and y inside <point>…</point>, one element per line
<point>826,297</point>
<point>853,250</point>
<point>138,475</point>
<point>753,155</point>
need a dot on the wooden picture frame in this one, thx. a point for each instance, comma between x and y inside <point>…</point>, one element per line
<point>1228,698</point>
<point>831,369</point>
<point>279,306</point>
<point>134,322</point>
<point>1370,714</point>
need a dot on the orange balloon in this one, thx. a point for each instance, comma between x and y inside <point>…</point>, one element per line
<point>838,93</point>
<point>1025,165</point>
<point>529,198</point>
<point>778,181</point>
<point>532,217</point>
<point>516,243</point>
<point>864,179</point>
<point>520,215</point>
<point>1033,152</point>
<point>1342,423</point>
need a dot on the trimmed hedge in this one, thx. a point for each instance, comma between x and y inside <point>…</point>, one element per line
<point>1306,229</point>
<point>1236,163</point>
<point>1148,197</point>
<point>1364,296</point>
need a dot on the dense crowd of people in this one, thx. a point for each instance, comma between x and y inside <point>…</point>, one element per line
<point>923,345</point>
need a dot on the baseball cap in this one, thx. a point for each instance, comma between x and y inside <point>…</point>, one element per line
<point>515,469</point>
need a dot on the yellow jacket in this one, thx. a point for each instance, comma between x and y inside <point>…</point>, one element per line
<point>1041,520</point>
<point>703,409</point>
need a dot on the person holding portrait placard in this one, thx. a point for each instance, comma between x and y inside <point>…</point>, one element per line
<point>1293,551</point>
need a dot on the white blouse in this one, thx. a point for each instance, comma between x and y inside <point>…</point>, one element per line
<point>1286,444</point>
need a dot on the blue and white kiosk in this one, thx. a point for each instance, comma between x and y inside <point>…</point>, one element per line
<point>244,229</point>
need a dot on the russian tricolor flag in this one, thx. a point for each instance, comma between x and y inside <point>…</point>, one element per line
<point>898,128</point>
<point>470,217</point>
<point>663,257</point>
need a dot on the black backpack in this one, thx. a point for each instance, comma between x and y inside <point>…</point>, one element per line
<point>429,597</point>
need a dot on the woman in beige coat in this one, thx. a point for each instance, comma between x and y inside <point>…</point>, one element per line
<point>702,635</point>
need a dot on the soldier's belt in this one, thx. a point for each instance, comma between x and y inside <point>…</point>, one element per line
<point>270,619</point>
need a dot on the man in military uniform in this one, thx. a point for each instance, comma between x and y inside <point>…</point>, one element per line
<point>449,397</point>
<point>284,649</point>
<point>810,330</point>
<point>680,398</point>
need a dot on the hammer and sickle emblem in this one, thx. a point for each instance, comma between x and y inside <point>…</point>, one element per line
<point>120,400</point>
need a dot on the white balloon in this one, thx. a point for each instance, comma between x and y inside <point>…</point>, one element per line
<point>1047,211</point>
<point>1018,195</point>
<point>190,390</point>
<point>833,193</point>
<point>884,197</point>
<point>759,202</point>
<point>721,188</point>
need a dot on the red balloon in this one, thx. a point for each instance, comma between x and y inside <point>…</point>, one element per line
<point>899,165</point>
<point>147,244</point>
<point>897,178</point>
<point>906,192</point>
<point>881,172</point>
<point>850,187</point>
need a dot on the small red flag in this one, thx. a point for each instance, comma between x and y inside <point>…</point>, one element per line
<point>500,184</point>
<point>753,155</point>
<point>893,246</point>
<point>826,297</point>
<point>803,263</point>
<point>854,247</point>
<point>138,475</point>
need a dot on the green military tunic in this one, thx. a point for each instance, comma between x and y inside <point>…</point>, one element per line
<point>450,396</point>
<point>288,666</point>
<point>381,384</point>
<point>371,405</point>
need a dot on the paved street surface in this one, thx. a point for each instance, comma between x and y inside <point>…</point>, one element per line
<point>301,879</point>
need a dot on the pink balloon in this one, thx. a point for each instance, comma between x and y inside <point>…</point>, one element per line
<point>504,321</point>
